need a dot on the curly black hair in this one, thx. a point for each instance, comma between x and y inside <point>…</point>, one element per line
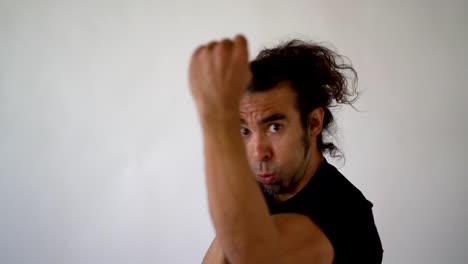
<point>319,76</point>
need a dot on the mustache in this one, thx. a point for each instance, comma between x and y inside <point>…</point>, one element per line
<point>264,167</point>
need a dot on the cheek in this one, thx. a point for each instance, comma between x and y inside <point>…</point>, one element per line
<point>290,144</point>
<point>249,148</point>
<point>289,151</point>
<point>250,153</point>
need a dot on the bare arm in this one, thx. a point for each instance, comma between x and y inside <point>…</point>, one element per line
<point>238,209</point>
<point>215,254</point>
<point>301,242</point>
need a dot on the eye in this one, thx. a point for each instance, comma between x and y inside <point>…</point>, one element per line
<point>275,127</point>
<point>244,131</point>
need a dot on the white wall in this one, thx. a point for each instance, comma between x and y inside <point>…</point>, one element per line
<point>100,149</point>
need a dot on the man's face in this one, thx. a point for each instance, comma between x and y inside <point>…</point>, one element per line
<point>276,143</point>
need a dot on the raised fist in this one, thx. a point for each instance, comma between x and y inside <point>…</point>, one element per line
<point>219,74</point>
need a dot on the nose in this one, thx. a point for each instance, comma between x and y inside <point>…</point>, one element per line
<point>260,148</point>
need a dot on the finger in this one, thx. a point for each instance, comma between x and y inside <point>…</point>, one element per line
<point>196,54</point>
<point>223,54</point>
<point>222,47</point>
<point>203,61</point>
<point>210,46</point>
<point>241,40</point>
<point>194,60</point>
<point>241,57</point>
<point>241,48</point>
<point>197,50</point>
<point>207,55</point>
<point>227,43</point>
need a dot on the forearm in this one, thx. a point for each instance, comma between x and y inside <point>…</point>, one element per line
<point>238,210</point>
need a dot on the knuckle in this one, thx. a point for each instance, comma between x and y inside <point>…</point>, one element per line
<point>197,52</point>
<point>227,43</point>
<point>211,45</point>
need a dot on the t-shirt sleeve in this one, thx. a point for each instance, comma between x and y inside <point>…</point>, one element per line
<point>352,232</point>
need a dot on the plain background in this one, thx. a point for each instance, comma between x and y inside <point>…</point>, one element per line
<point>100,146</point>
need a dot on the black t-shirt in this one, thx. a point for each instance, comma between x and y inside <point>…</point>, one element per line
<point>341,211</point>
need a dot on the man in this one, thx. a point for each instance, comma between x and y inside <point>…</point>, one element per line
<point>308,212</point>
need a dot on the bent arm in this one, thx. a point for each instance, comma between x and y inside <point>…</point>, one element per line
<point>240,215</point>
<point>245,230</point>
<point>215,254</point>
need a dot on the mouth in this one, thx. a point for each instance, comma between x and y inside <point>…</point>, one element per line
<point>265,178</point>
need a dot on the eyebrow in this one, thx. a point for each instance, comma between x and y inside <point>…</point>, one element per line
<point>268,119</point>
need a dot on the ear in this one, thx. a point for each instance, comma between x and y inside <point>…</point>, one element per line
<point>316,121</point>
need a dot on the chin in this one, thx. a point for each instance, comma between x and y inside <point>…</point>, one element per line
<point>271,189</point>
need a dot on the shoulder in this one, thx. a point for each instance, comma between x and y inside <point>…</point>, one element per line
<point>349,223</point>
<point>333,188</point>
<point>345,216</point>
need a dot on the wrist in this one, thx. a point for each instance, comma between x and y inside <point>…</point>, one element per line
<point>220,125</point>
<point>219,117</point>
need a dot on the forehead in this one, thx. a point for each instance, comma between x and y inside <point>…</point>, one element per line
<point>280,99</point>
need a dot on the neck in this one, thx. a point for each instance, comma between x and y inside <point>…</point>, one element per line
<point>314,159</point>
